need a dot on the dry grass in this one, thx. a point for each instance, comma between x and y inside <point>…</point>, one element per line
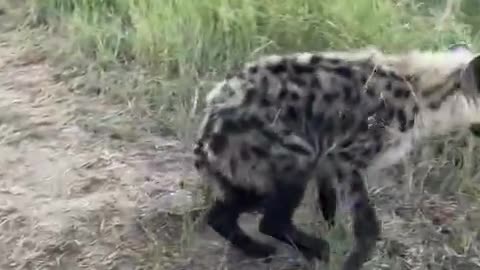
<point>90,178</point>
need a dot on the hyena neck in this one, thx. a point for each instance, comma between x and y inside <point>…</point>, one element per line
<point>455,113</point>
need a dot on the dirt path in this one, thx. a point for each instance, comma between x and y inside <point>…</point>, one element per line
<point>69,197</point>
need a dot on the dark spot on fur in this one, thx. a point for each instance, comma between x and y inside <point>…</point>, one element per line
<point>328,124</point>
<point>249,96</point>
<point>302,68</point>
<point>253,69</point>
<point>218,143</point>
<point>365,153</point>
<point>345,72</point>
<point>230,126</point>
<point>198,164</point>
<point>224,113</point>
<point>390,114</point>
<point>334,82</point>
<point>270,135</point>
<point>309,105</point>
<point>294,96</point>
<point>254,122</point>
<point>230,92</point>
<point>410,123</point>
<point>401,93</point>
<point>283,93</point>
<point>259,151</point>
<point>316,59</point>
<point>297,149</point>
<point>249,122</point>
<point>330,97</point>
<point>363,126</point>
<point>381,106</point>
<point>402,119</point>
<point>280,67</point>
<point>377,147</point>
<point>415,109</point>
<point>347,121</point>
<point>241,75</point>
<point>244,153</point>
<point>381,72</point>
<point>340,175</point>
<point>411,78</point>
<point>298,81</point>
<point>317,122</point>
<point>361,163</point>
<point>197,150</point>
<point>347,143</point>
<point>377,136</point>
<point>265,102</point>
<point>287,168</point>
<point>264,83</point>
<point>229,75</point>
<point>388,86</point>
<point>398,93</point>
<point>370,91</point>
<point>319,117</point>
<point>291,113</point>
<point>233,165</point>
<point>457,85</point>
<point>363,79</point>
<point>356,185</point>
<point>347,93</point>
<point>333,61</point>
<point>315,83</point>
<point>434,105</point>
<point>394,75</point>
<point>388,74</point>
<point>351,97</point>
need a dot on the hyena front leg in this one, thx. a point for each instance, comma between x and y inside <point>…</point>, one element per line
<point>366,226</point>
<point>277,220</point>
<point>223,217</point>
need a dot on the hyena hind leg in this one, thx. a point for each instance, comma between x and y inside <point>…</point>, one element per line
<point>366,226</point>
<point>327,199</point>
<point>277,222</point>
<point>223,217</point>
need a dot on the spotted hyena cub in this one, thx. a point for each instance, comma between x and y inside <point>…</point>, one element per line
<point>330,116</point>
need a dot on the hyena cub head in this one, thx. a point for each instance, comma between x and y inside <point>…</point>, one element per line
<point>446,86</point>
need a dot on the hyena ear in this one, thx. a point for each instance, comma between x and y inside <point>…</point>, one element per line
<point>470,78</point>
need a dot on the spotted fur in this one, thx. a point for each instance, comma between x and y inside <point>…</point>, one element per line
<point>330,116</point>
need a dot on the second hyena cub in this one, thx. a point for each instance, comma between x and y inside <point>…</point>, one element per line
<point>331,116</point>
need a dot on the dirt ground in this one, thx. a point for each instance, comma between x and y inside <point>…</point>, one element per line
<point>72,197</point>
<point>75,194</point>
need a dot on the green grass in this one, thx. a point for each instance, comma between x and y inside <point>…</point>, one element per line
<point>213,35</point>
<point>184,43</point>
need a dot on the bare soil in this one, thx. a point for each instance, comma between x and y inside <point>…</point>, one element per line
<point>72,197</point>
